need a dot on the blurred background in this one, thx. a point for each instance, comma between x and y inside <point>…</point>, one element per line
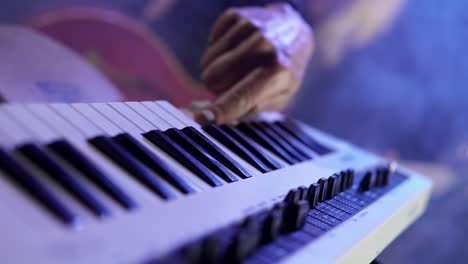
<point>389,76</point>
<point>404,94</point>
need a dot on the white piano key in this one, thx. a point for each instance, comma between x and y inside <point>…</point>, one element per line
<point>157,121</point>
<point>178,117</point>
<point>116,118</point>
<point>20,133</point>
<point>132,116</point>
<point>160,123</point>
<point>78,139</point>
<point>53,120</point>
<point>171,120</point>
<point>35,126</point>
<point>77,120</point>
<point>23,212</point>
<point>176,113</point>
<point>110,127</point>
<point>64,196</point>
<point>132,129</point>
<point>97,119</point>
<point>167,117</point>
<point>6,140</point>
<point>11,132</point>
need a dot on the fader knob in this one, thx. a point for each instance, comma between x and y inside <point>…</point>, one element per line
<point>385,176</point>
<point>211,251</point>
<point>378,178</point>
<point>272,225</point>
<point>193,252</point>
<point>293,196</point>
<point>313,195</point>
<point>243,244</point>
<point>333,186</point>
<point>295,215</point>
<point>350,178</point>
<point>323,189</point>
<point>302,193</point>
<point>366,182</point>
<point>344,181</point>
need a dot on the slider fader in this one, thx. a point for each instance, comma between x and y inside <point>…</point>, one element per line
<point>305,214</point>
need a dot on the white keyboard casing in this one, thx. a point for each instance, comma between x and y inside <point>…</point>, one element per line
<point>29,234</point>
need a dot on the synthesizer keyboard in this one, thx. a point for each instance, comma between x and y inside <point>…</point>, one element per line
<point>140,182</point>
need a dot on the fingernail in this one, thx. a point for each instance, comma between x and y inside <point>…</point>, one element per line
<point>205,116</point>
<point>198,105</point>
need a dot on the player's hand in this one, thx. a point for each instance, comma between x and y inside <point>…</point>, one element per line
<point>255,61</point>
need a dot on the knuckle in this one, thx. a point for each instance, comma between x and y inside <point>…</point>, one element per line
<point>264,42</point>
<point>282,70</point>
<point>242,97</point>
<point>276,64</point>
<point>231,12</point>
<point>225,112</point>
<point>205,77</point>
<point>244,23</point>
<point>281,62</point>
<point>264,50</point>
<point>256,109</point>
<point>290,91</point>
<point>251,26</point>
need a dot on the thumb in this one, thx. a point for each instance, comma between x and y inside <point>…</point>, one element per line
<point>240,99</point>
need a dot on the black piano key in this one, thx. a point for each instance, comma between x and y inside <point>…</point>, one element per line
<point>80,162</point>
<point>259,137</point>
<point>216,152</point>
<point>121,157</point>
<point>284,145</point>
<point>294,130</point>
<point>164,142</point>
<point>200,154</point>
<point>59,174</point>
<point>144,155</point>
<point>242,139</point>
<point>19,175</point>
<point>228,141</point>
<point>294,143</point>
